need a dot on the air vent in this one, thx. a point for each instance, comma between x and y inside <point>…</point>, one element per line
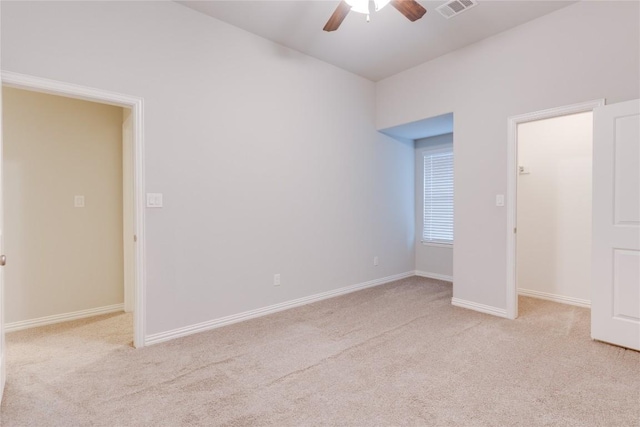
<point>455,7</point>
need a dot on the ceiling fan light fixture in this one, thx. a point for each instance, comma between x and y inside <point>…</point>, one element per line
<point>380,4</point>
<point>411,9</point>
<point>360,6</point>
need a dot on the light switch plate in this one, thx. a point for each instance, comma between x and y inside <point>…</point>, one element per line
<point>500,200</point>
<point>154,200</point>
<point>78,201</point>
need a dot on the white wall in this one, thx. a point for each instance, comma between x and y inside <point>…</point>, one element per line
<point>268,159</point>
<point>63,259</point>
<point>434,260</point>
<point>554,206</point>
<point>586,51</point>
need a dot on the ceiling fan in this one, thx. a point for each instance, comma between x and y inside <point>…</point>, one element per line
<point>409,8</point>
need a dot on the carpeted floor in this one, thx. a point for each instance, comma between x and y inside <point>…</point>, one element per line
<point>397,354</point>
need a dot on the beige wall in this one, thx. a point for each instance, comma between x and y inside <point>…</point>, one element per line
<point>63,258</point>
<point>554,206</point>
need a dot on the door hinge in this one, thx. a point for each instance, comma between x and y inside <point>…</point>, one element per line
<point>135,238</point>
<point>515,229</point>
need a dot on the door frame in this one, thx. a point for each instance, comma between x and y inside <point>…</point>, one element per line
<point>128,216</point>
<point>512,185</point>
<point>136,104</point>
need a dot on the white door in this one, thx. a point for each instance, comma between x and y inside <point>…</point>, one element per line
<point>615,298</point>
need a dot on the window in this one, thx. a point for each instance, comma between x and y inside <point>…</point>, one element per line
<point>438,196</point>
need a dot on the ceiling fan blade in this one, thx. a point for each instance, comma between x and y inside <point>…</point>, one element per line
<point>409,8</point>
<point>338,16</point>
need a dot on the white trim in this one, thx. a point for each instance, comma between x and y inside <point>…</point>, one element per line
<point>22,81</point>
<point>437,244</point>
<point>437,149</point>
<point>70,90</point>
<point>3,346</point>
<point>512,181</point>
<point>65,317</point>
<point>3,372</point>
<point>495,311</point>
<point>434,276</point>
<point>235,318</point>
<point>128,211</point>
<point>555,298</point>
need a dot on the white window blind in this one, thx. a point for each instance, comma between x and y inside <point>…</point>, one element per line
<point>438,197</point>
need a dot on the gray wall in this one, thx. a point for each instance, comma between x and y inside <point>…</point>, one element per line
<point>585,51</point>
<point>269,160</point>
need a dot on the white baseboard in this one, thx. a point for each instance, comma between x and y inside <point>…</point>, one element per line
<point>500,312</point>
<point>235,318</point>
<point>434,276</point>
<point>65,317</point>
<point>555,298</point>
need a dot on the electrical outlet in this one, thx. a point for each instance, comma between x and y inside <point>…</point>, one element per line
<point>376,261</point>
<point>276,279</point>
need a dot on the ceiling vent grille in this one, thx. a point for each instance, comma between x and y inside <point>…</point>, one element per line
<point>455,7</point>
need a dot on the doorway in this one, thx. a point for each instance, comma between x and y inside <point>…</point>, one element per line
<point>63,198</point>
<point>554,209</point>
<point>132,133</point>
<point>549,205</point>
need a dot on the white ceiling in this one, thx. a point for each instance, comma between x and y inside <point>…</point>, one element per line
<point>385,46</point>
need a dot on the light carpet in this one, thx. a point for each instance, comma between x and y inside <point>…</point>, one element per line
<point>393,355</point>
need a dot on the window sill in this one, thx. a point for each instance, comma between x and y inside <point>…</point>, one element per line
<point>438,245</point>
